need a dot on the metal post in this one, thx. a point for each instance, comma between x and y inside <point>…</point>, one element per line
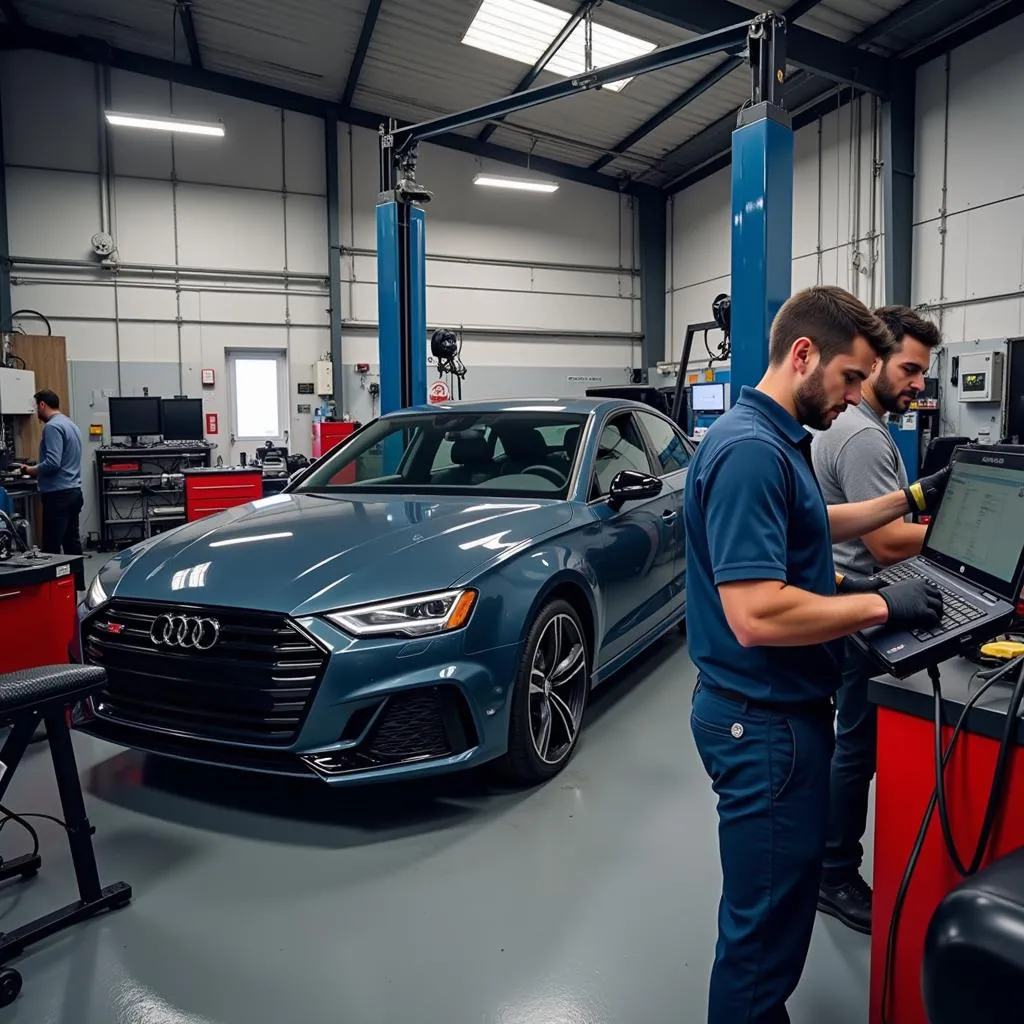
<point>653,227</point>
<point>762,207</point>
<point>334,258</point>
<point>401,281</point>
<point>898,131</point>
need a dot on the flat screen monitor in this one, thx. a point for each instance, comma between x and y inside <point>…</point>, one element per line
<point>134,417</point>
<point>707,398</point>
<point>182,419</point>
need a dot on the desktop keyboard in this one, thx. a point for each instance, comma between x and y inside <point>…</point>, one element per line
<point>956,610</point>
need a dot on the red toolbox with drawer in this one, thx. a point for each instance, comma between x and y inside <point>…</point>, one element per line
<point>213,490</point>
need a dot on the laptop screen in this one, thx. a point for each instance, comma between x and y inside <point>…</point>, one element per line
<point>980,523</point>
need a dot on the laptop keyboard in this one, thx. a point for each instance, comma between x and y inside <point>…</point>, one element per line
<point>956,611</point>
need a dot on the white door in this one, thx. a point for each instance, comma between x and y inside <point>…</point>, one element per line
<point>259,391</point>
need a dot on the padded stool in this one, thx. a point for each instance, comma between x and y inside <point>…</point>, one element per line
<point>973,966</point>
<point>28,697</point>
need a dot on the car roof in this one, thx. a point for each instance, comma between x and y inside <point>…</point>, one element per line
<point>574,404</point>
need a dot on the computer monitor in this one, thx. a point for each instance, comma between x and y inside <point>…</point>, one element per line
<point>182,419</point>
<point>134,417</point>
<point>707,398</point>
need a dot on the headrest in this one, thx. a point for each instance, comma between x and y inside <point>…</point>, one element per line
<point>471,451</point>
<point>524,444</point>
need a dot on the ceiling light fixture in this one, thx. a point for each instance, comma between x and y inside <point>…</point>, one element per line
<point>165,124</point>
<point>522,184</point>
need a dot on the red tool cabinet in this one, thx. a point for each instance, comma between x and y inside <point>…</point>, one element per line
<point>38,611</point>
<point>213,490</point>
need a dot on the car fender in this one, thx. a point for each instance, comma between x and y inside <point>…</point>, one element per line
<point>512,594</point>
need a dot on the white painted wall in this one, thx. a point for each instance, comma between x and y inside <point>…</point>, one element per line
<point>222,243</point>
<point>969,161</point>
<point>253,204</point>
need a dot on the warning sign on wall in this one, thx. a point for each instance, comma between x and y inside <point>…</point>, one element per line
<point>439,392</point>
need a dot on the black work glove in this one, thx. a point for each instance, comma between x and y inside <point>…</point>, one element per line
<point>913,603</point>
<point>859,584</point>
<point>925,494</point>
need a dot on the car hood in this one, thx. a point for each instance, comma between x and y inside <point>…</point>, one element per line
<point>309,553</point>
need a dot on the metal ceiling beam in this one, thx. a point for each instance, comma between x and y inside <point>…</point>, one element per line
<point>713,77</point>
<point>819,54</point>
<point>994,16</point>
<point>188,26</point>
<point>98,52</point>
<point>365,35</point>
<point>729,38</point>
<point>545,58</point>
<point>710,149</point>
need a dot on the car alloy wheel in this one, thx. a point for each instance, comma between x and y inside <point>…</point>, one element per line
<point>550,695</point>
<point>558,678</point>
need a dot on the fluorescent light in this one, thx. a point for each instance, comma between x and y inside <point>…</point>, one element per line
<point>523,29</point>
<point>522,184</point>
<point>165,124</point>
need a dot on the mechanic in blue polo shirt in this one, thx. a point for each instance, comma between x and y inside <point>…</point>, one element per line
<point>765,626</point>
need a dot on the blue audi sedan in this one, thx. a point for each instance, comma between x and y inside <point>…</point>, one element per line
<point>442,590</point>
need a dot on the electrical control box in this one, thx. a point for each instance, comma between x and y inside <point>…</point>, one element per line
<point>16,390</point>
<point>323,371</point>
<point>981,377</point>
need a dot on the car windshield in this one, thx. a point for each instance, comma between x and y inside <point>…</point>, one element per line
<point>521,452</point>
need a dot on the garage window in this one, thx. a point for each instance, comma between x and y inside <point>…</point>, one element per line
<point>258,390</point>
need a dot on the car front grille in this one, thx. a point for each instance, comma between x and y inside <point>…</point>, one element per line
<point>253,685</point>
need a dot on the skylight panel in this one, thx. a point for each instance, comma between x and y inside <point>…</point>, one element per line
<point>522,30</point>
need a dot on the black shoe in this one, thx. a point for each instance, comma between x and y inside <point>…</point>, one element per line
<point>849,902</point>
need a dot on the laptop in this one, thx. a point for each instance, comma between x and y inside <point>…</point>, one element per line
<point>973,552</point>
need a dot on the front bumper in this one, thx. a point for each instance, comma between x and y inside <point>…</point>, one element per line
<point>380,709</point>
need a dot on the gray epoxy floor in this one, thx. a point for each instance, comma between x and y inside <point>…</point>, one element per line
<point>589,900</point>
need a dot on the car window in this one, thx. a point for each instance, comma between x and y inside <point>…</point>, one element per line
<point>621,446</point>
<point>667,443</point>
<point>469,451</point>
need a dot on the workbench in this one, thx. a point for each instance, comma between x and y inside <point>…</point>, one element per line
<point>905,782</point>
<point>38,610</point>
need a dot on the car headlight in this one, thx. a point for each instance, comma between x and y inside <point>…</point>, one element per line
<point>425,615</point>
<point>95,595</point>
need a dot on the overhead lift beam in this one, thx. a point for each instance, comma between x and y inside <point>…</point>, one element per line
<point>362,47</point>
<point>545,58</point>
<point>188,26</point>
<point>819,54</point>
<point>694,92</point>
<point>400,218</point>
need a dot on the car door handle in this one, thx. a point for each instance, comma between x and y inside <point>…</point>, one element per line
<point>669,515</point>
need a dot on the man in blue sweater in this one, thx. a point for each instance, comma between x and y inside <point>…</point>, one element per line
<point>59,474</point>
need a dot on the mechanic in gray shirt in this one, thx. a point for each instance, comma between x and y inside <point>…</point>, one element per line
<point>855,460</point>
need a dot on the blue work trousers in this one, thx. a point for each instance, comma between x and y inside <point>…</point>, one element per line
<point>770,770</point>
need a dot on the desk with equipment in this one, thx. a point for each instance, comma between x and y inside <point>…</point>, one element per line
<point>949,738</point>
<point>140,484</point>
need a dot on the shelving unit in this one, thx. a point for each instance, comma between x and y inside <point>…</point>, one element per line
<point>141,490</point>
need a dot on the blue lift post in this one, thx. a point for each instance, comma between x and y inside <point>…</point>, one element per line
<point>762,206</point>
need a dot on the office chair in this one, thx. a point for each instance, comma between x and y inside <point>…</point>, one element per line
<point>973,967</point>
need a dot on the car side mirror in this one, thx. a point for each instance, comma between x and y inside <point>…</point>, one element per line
<point>631,485</point>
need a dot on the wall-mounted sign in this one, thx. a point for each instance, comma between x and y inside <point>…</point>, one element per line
<point>211,423</point>
<point>305,409</point>
<point>306,389</point>
<point>208,377</point>
<point>439,392</point>
<point>584,380</point>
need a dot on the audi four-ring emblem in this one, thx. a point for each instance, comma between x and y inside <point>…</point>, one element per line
<point>191,632</point>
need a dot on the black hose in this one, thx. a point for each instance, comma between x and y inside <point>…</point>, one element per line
<point>30,312</point>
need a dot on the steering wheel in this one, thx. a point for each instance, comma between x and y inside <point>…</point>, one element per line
<point>552,474</point>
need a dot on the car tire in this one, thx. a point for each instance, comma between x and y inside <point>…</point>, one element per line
<point>549,697</point>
